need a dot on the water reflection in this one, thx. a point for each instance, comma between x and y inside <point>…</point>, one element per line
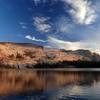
<point>49,85</point>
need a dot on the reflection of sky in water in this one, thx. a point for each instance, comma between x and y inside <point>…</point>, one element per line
<point>76,92</point>
<point>57,85</point>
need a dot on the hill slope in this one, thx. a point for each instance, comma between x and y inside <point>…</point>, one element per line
<point>22,54</point>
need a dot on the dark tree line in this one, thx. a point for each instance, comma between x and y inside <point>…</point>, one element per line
<point>69,64</point>
<point>64,64</point>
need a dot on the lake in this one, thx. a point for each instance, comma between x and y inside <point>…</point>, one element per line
<point>49,84</point>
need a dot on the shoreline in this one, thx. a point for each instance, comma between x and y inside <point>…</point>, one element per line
<point>56,69</point>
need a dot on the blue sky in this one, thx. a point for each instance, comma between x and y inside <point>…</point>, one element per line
<point>63,24</point>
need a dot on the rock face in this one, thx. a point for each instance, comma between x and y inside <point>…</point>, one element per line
<point>20,55</point>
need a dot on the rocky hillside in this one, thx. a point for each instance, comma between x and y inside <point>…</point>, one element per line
<point>22,54</point>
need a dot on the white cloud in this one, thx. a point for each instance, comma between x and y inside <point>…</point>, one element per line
<point>24,27</point>
<point>36,1</point>
<point>22,23</point>
<point>43,1</point>
<point>63,25</point>
<point>34,39</point>
<point>41,24</point>
<point>82,11</point>
<point>54,42</point>
<point>67,45</point>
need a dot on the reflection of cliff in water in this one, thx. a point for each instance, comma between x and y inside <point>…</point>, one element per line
<point>15,81</point>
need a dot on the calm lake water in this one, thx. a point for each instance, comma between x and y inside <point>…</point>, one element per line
<point>49,85</point>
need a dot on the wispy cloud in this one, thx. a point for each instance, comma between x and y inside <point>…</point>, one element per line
<point>38,1</point>
<point>23,25</point>
<point>41,24</point>
<point>34,39</point>
<point>43,1</point>
<point>82,11</point>
<point>63,25</point>
<point>60,44</point>
<point>67,45</point>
